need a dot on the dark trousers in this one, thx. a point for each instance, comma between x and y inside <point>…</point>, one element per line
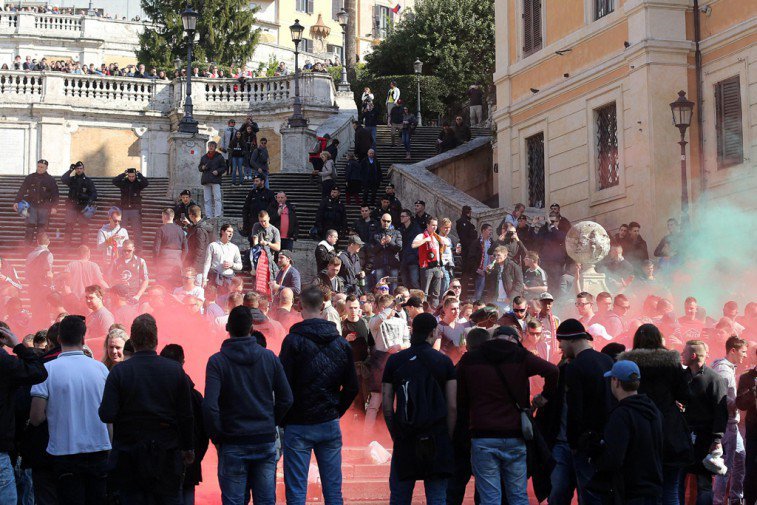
<point>75,220</point>
<point>287,244</point>
<point>81,478</point>
<point>43,482</point>
<point>462,473</point>
<point>410,275</point>
<point>703,485</point>
<point>132,221</point>
<point>353,191</point>
<point>327,186</point>
<point>37,222</point>
<point>139,497</point>
<point>369,194</point>
<point>750,473</point>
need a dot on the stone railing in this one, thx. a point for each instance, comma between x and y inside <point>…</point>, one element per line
<point>130,95</point>
<point>35,24</point>
<point>57,22</point>
<point>8,21</point>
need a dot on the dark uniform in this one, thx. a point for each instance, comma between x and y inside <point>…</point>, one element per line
<point>81,192</point>
<point>41,193</point>
<point>257,199</point>
<point>131,203</point>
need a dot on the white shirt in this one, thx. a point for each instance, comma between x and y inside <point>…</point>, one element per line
<point>196,291</point>
<point>218,253</point>
<point>74,390</point>
<point>119,234</point>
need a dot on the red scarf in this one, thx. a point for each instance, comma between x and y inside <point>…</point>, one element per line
<point>211,154</point>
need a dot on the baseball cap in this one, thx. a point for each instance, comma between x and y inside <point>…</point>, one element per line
<point>508,331</point>
<point>413,301</point>
<point>355,239</point>
<point>546,296</point>
<point>286,253</point>
<point>624,371</point>
<point>597,330</point>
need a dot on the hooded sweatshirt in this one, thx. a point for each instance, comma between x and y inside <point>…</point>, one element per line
<point>727,370</point>
<point>631,460</point>
<point>318,363</point>
<point>246,393</point>
<point>481,392</point>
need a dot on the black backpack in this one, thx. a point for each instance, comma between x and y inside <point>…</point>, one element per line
<point>421,404</point>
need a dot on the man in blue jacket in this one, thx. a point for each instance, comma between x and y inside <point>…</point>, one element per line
<point>318,363</point>
<point>246,397</point>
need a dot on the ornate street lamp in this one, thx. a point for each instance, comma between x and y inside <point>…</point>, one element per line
<point>418,67</point>
<point>297,120</point>
<point>188,124</point>
<point>343,18</point>
<point>682,111</point>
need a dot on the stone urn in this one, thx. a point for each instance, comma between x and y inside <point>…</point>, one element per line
<point>588,243</point>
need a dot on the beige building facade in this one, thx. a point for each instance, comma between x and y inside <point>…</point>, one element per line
<point>583,116</point>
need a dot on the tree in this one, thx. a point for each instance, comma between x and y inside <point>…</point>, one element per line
<point>227,36</point>
<point>453,38</point>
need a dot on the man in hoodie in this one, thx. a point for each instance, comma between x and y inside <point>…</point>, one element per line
<point>629,468</point>
<point>734,453</point>
<point>587,400</point>
<point>318,363</point>
<point>199,235</point>
<point>246,397</point>
<point>707,416</point>
<point>494,389</point>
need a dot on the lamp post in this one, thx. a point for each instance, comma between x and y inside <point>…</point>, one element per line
<point>418,67</point>
<point>188,124</point>
<point>343,17</point>
<point>682,110</point>
<point>297,120</point>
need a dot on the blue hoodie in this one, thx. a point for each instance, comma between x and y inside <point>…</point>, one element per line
<point>246,393</point>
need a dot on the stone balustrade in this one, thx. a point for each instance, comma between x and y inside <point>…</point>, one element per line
<point>133,95</point>
<point>68,26</point>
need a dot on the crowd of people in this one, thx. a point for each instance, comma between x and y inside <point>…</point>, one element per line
<point>70,11</point>
<point>457,339</point>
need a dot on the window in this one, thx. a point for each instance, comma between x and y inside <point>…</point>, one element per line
<point>307,45</point>
<point>603,7</point>
<point>606,134</point>
<point>336,6</point>
<point>382,21</point>
<point>535,170</point>
<point>728,123</point>
<point>531,26</point>
<point>331,48</point>
<point>305,6</point>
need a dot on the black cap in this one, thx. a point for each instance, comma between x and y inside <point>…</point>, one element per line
<point>572,329</point>
<point>420,202</point>
<point>286,253</point>
<point>424,323</point>
<point>186,192</point>
<point>506,330</point>
<point>413,301</point>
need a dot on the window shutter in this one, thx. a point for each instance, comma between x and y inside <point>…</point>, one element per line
<point>536,30</point>
<point>310,6</point>
<point>728,126</point>
<point>527,27</point>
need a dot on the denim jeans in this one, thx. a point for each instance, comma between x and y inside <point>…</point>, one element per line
<point>479,282</point>
<point>325,439</point>
<point>253,465</point>
<point>380,272</point>
<point>7,480</point>
<point>704,489</point>
<point>213,204</point>
<point>401,491</point>
<point>81,477</point>
<point>563,475</point>
<point>24,487</point>
<point>498,461</point>
<point>734,455</point>
<point>372,129</point>
<point>406,139</point>
<point>584,472</point>
<point>671,481</point>
<point>237,169</point>
<point>447,277</point>
<point>410,273</point>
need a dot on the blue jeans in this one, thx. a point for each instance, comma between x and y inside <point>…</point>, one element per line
<point>563,475</point>
<point>325,439</point>
<point>584,472</point>
<point>479,283</point>
<point>237,169</point>
<point>372,129</point>
<point>7,480</point>
<point>445,280</point>
<point>401,491</point>
<point>496,461</point>
<point>671,481</point>
<point>734,455</point>
<point>406,139</point>
<point>411,275</point>
<point>253,465</point>
<point>380,272</point>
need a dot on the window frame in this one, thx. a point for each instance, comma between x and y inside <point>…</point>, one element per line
<point>600,99</point>
<point>724,160</point>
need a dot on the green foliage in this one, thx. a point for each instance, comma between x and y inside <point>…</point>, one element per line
<point>453,38</point>
<point>270,68</point>
<point>335,73</point>
<point>227,36</point>
<point>432,91</point>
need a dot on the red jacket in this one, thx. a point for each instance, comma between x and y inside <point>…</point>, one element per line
<point>426,253</point>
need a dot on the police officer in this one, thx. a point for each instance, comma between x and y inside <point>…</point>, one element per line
<point>181,209</point>
<point>40,191</point>
<point>81,193</point>
<point>131,183</point>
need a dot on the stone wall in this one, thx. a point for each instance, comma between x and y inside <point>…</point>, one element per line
<point>105,151</point>
<point>471,173</point>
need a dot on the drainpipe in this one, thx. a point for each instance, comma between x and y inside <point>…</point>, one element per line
<point>700,100</point>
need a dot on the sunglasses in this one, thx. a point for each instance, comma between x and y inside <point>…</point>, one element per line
<point>386,220</point>
<point>519,310</point>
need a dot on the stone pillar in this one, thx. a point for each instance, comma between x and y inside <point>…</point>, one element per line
<point>295,146</point>
<point>184,153</point>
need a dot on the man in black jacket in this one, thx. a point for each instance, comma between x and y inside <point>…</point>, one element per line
<point>148,401</point>
<point>199,235</point>
<point>372,175</point>
<point>332,214</point>
<point>278,211</point>
<point>466,230</point>
<point>318,363</point>
<point>363,141</point>
<point>629,466</point>
<point>258,198</point>
<point>24,370</point>
<point>746,400</point>
<point>587,399</point>
<point>366,226</point>
<point>181,209</point>
<point>706,414</point>
<point>351,269</point>
<point>40,191</point>
<point>81,193</point>
<point>246,397</point>
<point>131,183</point>
<point>387,243</point>
<point>212,166</point>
